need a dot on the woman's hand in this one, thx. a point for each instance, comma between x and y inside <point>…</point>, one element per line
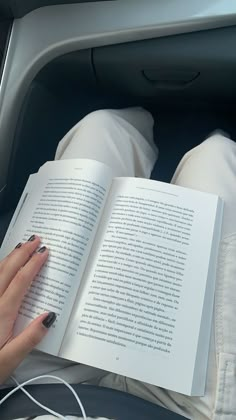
<point>17,272</point>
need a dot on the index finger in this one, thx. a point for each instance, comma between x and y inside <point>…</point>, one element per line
<point>17,289</point>
<point>11,264</point>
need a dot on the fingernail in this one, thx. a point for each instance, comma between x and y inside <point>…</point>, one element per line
<point>31,238</point>
<point>18,245</point>
<point>42,249</point>
<point>49,320</point>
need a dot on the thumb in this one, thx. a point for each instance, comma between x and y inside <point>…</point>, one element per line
<point>14,352</point>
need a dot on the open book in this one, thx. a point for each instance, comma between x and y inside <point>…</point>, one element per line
<point>131,271</point>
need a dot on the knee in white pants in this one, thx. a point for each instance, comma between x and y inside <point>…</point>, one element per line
<point>219,145</point>
<point>100,118</point>
<point>131,120</point>
<point>209,167</point>
<point>210,155</point>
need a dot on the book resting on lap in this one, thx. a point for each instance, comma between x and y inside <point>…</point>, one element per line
<point>131,271</point>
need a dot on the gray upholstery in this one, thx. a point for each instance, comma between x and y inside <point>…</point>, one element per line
<point>97,401</point>
<point>5,219</point>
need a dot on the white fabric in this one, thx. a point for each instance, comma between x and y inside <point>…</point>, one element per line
<point>123,140</point>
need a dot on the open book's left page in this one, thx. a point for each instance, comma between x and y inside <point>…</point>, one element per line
<point>62,204</point>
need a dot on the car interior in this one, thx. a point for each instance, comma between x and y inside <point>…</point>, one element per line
<point>187,81</point>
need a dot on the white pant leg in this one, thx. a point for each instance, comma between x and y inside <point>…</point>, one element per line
<point>209,167</point>
<point>122,139</point>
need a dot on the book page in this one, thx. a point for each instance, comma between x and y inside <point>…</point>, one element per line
<point>139,312</point>
<point>63,206</point>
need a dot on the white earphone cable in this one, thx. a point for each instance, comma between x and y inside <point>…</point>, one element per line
<point>21,387</point>
<point>49,410</point>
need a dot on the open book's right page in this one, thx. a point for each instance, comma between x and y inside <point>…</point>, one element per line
<point>139,311</point>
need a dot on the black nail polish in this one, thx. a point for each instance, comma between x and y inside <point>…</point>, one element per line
<point>49,320</point>
<point>32,238</point>
<point>18,245</point>
<point>42,249</point>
